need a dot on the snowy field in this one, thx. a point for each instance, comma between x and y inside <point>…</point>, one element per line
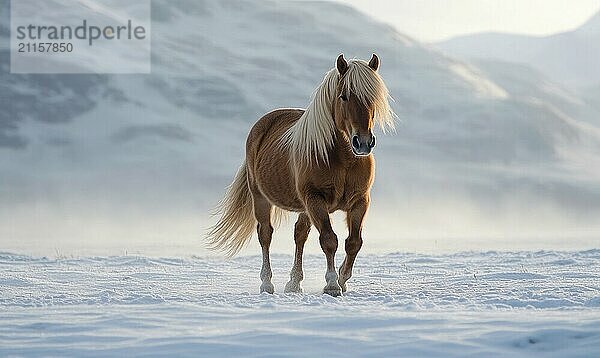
<point>485,304</point>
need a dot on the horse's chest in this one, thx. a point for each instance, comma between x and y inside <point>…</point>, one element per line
<point>354,182</point>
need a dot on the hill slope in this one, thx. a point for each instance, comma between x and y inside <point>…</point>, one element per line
<point>570,58</point>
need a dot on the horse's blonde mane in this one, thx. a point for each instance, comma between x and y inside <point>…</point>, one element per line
<point>311,137</point>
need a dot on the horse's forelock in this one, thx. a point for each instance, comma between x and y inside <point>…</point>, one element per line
<point>370,89</point>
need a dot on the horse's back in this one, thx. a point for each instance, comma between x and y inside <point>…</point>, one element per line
<point>269,162</point>
<point>271,126</point>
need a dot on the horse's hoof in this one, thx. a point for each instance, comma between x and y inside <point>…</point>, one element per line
<point>267,287</point>
<point>292,287</point>
<point>334,292</point>
<point>333,289</point>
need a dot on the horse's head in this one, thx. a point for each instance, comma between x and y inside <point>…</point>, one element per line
<point>356,104</point>
<point>351,99</point>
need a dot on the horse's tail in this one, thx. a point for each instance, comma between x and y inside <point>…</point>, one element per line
<point>236,223</point>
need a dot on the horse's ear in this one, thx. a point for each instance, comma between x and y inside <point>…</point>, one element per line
<point>341,64</point>
<point>374,63</point>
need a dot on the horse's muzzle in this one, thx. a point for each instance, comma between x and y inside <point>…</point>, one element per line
<point>363,145</point>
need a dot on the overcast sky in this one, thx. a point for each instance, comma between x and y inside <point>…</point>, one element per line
<point>434,20</point>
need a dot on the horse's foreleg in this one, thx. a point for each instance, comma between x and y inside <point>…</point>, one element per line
<point>354,241</point>
<point>262,213</point>
<point>319,215</point>
<point>301,230</point>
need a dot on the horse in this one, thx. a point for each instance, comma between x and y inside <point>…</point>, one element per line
<point>312,162</point>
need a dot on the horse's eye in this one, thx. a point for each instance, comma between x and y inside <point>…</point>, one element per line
<point>343,97</point>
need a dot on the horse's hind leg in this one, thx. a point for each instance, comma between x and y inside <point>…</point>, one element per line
<point>355,217</point>
<point>301,230</point>
<point>262,213</point>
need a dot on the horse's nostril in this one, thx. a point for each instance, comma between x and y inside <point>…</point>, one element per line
<point>373,141</point>
<point>355,142</point>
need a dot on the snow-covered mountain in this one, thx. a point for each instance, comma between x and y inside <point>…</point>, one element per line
<point>570,58</point>
<point>140,158</point>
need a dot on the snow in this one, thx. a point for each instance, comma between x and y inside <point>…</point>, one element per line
<point>471,303</point>
<point>483,86</point>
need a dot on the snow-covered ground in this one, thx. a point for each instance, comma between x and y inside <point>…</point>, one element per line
<point>488,304</point>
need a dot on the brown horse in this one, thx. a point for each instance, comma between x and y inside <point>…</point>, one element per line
<point>314,162</point>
